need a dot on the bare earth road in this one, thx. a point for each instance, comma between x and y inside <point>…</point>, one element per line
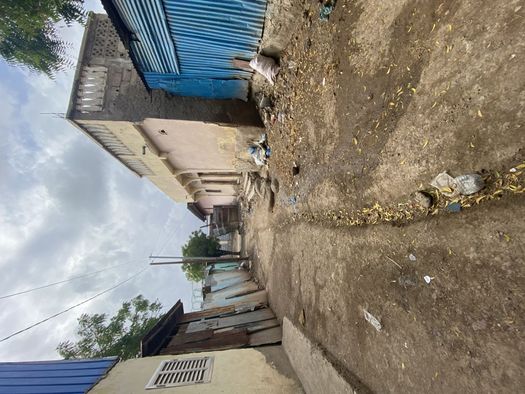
<point>374,103</point>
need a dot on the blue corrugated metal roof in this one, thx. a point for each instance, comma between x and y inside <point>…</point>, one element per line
<point>62,376</point>
<point>182,41</point>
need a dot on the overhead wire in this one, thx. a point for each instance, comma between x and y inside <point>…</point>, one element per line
<point>166,240</point>
<point>74,306</point>
<point>60,282</point>
<point>164,245</point>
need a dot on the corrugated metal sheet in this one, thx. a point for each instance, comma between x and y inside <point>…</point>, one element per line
<point>209,34</point>
<point>63,376</point>
<point>217,267</point>
<point>255,298</point>
<point>208,88</point>
<point>151,43</point>
<point>221,280</point>
<point>187,47</point>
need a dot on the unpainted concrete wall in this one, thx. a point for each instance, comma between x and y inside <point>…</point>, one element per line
<point>236,371</point>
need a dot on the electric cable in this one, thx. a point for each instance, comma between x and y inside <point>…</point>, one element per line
<point>59,282</point>
<point>73,306</point>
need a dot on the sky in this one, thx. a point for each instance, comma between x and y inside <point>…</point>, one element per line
<point>68,208</point>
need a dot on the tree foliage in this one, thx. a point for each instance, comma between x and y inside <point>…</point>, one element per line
<point>118,336</point>
<point>28,32</point>
<point>201,245</point>
<point>194,271</point>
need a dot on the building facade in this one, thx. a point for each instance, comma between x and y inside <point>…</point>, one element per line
<point>191,148</point>
<point>236,371</point>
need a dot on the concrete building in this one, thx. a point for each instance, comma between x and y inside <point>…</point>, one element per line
<point>193,149</point>
<point>236,371</point>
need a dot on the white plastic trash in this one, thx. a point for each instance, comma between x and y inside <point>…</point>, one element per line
<point>266,67</point>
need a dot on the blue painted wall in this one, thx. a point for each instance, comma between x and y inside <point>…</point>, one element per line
<point>63,376</point>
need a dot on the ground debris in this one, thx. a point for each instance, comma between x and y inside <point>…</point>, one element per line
<point>372,320</point>
<point>497,184</point>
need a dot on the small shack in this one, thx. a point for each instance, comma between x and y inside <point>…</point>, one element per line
<point>191,48</point>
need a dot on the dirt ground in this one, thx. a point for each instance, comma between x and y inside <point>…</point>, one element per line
<point>369,107</point>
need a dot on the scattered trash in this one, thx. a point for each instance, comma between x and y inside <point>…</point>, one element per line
<point>260,151</point>
<point>280,117</point>
<point>292,65</point>
<point>428,279</point>
<point>393,261</point>
<point>423,199</point>
<point>260,187</point>
<point>503,236</point>
<point>266,67</point>
<point>326,10</point>
<point>464,184</point>
<point>411,257</point>
<point>372,320</point>
<point>257,155</point>
<point>445,184</point>
<point>455,207</point>
<point>513,169</point>
<point>292,200</point>
<point>469,184</point>
<point>263,101</point>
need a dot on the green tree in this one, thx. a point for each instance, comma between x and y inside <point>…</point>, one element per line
<point>120,336</point>
<point>194,271</point>
<point>200,245</point>
<point>28,32</point>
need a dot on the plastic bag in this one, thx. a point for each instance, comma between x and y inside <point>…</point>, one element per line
<point>266,67</point>
<point>260,151</point>
<point>463,184</point>
<point>445,184</point>
<point>469,183</point>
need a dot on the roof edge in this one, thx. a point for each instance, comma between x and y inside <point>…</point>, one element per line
<point>76,78</point>
<point>172,314</point>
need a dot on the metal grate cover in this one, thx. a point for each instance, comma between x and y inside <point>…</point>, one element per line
<point>182,372</point>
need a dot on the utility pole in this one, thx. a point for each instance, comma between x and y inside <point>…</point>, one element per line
<point>201,260</point>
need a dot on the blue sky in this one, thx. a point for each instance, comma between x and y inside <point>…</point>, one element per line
<point>68,208</point>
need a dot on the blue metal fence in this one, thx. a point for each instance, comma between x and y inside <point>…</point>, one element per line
<point>188,47</point>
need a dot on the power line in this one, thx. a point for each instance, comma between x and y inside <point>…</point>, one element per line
<point>73,307</point>
<point>166,242</point>
<point>164,233</point>
<point>59,282</point>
